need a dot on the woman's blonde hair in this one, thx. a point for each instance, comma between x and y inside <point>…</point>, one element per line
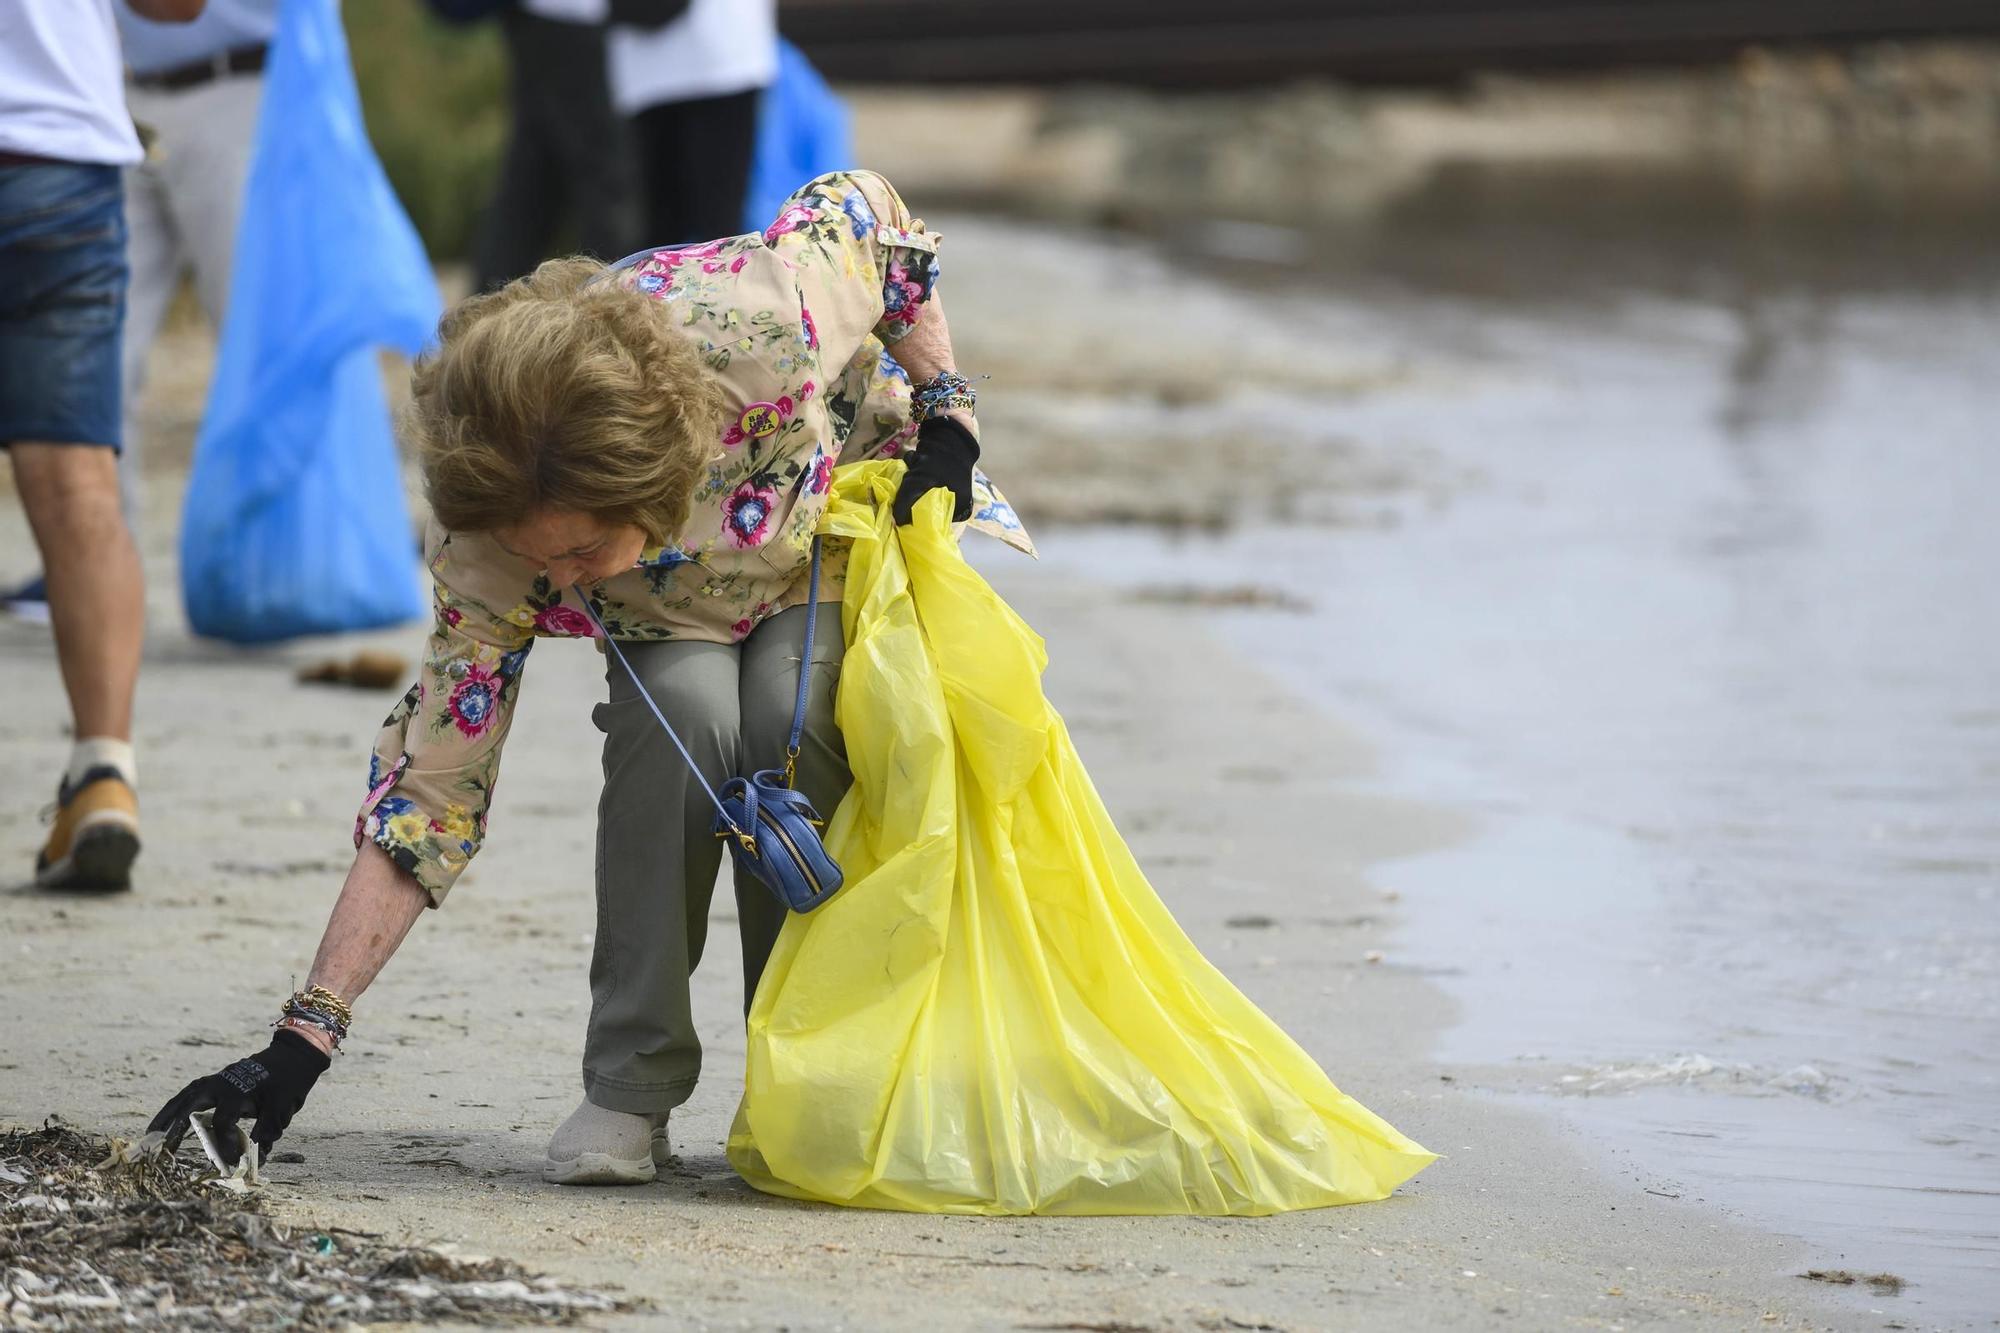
<point>552,394</point>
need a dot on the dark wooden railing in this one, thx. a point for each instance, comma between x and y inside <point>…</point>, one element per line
<point>1246,42</point>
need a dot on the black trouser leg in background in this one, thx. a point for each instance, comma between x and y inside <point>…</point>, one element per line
<point>569,155</point>
<point>694,166</point>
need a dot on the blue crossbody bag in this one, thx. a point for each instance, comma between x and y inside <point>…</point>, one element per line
<point>772,829</point>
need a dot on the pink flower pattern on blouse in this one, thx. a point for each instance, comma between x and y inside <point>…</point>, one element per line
<point>746,515</point>
<point>565,621</point>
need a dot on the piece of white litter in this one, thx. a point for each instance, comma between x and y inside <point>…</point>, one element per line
<point>240,1178</point>
<point>50,1203</point>
<point>124,1152</point>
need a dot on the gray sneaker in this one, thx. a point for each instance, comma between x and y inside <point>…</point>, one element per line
<point>599,1147</point>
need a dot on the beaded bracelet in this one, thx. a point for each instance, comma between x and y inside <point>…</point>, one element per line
<point>947,391</point>
<point>319,997</point>
<point>319,1018</point>
<point>301,1025</point>
<point>325,1022</point>
<point>320,1008</point>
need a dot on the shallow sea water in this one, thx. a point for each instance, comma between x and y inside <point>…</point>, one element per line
<point>1712,650</point>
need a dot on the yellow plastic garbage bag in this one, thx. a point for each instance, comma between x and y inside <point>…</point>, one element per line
<point>997,1014</point>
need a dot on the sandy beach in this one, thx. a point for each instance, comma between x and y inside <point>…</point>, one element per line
<point>1256,720</point>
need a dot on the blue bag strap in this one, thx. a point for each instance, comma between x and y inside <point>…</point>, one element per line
<point>798,708</point>
<point>665,725</point>
<point>805,671</point>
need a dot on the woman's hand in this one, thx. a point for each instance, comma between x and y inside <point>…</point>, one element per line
<point>377,906</point>
<point>271,1085</point>
<point>943,459</point>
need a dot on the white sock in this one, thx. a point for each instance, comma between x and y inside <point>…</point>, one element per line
<point>103,752</point>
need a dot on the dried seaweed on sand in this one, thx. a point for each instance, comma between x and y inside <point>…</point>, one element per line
<point>95,1236</point>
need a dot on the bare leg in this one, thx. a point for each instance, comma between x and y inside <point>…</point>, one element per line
<point>97,600</point>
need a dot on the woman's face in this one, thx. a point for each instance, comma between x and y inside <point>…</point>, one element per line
<point>572,547</point>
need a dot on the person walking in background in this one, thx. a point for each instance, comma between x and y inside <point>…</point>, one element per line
<point>195,88</point>
<point>64,136</point>
<point>569,155</point>
<point>568,165</point>
<point>691,87</point>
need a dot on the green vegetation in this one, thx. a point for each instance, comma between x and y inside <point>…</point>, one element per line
<point>435,98</point>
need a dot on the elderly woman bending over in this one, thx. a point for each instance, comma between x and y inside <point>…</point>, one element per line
<point>658,439</point>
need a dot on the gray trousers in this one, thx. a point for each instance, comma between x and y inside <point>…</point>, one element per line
<point>656,856</point>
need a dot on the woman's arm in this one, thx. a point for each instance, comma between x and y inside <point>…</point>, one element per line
<point>925,351</point>
<point>377,906</point>
<point>948,445</point>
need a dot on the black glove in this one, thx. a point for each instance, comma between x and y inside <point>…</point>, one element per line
<point>943,457</point>
<point>272,1084</point>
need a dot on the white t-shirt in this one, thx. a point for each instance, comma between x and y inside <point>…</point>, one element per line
<point>716,48</point>
<point>62,93</point>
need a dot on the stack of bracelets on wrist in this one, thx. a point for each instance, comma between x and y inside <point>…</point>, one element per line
<point>317,1007</point>
<point>947,391</point>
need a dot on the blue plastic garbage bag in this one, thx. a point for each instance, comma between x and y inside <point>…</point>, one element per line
<point>295,521</point>
<point>802,132</point>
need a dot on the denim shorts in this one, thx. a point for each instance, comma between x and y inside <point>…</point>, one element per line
<point>62,302</point>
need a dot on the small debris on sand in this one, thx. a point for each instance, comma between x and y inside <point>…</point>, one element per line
<point>90,1239</point>
<point>1885,1284</point>
<point>364,671</point>
<point>1240,597</point>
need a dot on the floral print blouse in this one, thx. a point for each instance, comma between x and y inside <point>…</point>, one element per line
<point>796,322</point>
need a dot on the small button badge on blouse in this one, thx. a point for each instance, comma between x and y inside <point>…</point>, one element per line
<point>760,419</point>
